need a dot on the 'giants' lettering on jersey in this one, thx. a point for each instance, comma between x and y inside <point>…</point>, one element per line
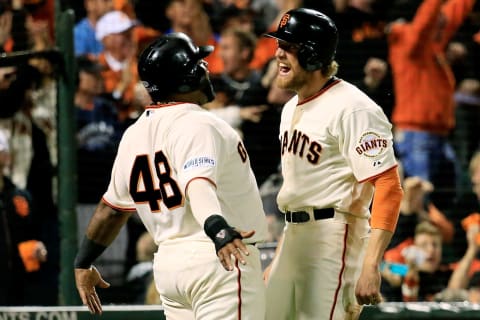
<point>371,144</point>
<point>300,144</point>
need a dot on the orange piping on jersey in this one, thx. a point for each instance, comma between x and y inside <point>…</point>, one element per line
<point>162,105</point>
<point>340,275</point>
<point>239,291</point>
<point>319,92</point>
<point>386,200</point>
<point>204,178</point>
<point>115,207</point>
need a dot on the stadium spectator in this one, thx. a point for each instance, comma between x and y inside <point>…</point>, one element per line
<point>84,39</point>
<point>21,254</point>
<point>191,18</point>
<point>245,19</point>
<point>424,86</point>
<point>427,276</point>
<point>98,127</point>
<point>114,30</point>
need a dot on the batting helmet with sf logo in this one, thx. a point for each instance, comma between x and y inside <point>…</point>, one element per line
<point>315,34</point>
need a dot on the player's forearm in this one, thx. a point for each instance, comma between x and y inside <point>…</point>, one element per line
<point>106,224</point>
<point>379,240</point>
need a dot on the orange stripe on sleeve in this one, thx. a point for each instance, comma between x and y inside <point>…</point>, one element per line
<point>386,200</point>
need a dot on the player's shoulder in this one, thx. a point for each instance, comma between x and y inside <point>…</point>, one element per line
<point>197,121</point>
<point>352,96</point>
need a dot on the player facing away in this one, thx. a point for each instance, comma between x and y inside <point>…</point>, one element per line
<point>188,175</point>
<point>336,154</point>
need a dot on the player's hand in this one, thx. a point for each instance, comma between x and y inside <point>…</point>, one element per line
<point>236,248</point>
<point>367,290</point>
<point>86,281</point>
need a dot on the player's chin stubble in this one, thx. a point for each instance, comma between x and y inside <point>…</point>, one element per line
<point>291,81</point>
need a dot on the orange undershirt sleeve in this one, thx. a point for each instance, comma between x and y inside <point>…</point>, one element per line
<point>386,200</point>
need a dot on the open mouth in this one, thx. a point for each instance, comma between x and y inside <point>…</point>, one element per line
<point>283,69</point>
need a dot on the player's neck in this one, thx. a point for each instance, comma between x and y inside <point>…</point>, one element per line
<point>315,85</point>
<point>195,97</point>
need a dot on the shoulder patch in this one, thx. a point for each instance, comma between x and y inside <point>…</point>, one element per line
<point>199,162</point>
<point>371,144</point>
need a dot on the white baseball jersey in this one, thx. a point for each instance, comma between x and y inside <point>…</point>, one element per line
<point>330,144</point>
<point>168,146</point>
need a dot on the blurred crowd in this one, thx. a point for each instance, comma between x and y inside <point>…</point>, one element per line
<point>418,59</point>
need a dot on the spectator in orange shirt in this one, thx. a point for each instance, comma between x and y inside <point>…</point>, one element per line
<point>114,29</point>
<point>423,114</point>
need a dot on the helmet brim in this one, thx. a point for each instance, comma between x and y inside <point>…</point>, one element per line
<point>280,36</point>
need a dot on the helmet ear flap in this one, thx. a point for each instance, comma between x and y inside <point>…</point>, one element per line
<point>308,58</point>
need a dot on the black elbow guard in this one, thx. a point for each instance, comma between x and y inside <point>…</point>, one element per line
<point>219,231</point>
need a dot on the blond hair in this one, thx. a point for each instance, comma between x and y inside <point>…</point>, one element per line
<point>426,227</point>
<point>330,70</point>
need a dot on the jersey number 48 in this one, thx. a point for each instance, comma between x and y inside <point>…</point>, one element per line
<point>167,190</point>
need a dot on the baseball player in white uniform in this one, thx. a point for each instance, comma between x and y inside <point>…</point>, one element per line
<point>336,151</point>
<point>188,175</point>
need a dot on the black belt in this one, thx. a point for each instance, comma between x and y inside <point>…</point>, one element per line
<point>303,216</point>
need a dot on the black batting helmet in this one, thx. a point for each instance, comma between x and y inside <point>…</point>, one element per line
<point>315,33</point>
<point>171,64</point>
